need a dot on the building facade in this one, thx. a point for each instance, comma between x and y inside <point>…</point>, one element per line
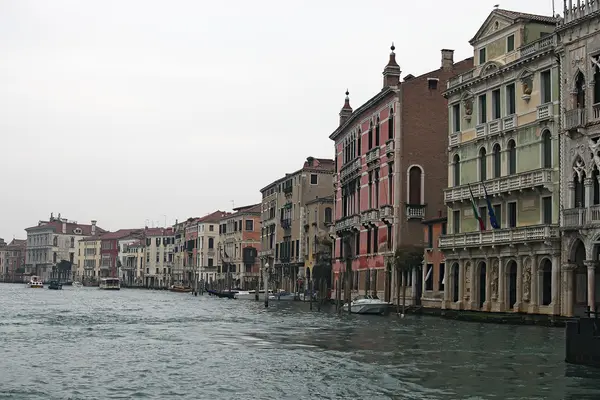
<point>14,260</point>
<point>131,258</point>
<point>283,218</point>
<point>88,260</point>
<point>390,172</point>
<point>110,248</point>
<point>53,241</point>
<point>503,243</point>
<point>239,237</point>
<point>158,260</point>
<point>318,242</point>
<point>434,263</point>
<point>579,51</point>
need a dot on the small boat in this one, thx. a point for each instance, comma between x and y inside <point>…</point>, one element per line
<point>250,294</point>
<point>229,294</point>
<point>180,289</point>
<point>35,282</point>
<point>367,305</point>
<point>55,285</point>
<point>77,284</point>
<point>110,284</point>
<point>282,296</point>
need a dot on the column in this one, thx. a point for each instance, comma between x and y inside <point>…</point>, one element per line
<point>447,284</point>
<point>556,283</point>
<point>487,305</point>
<point>501,285</point>
<point>517,307</point>
<point>591,280</point>
<point>569,271</point>
<point>461,284</point>
<point>589,195</point>
<point>473,287</point>
<point>533,302</point>
<point>413,286</point>
<point>571,194</point>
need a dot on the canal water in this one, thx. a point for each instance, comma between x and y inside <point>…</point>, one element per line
<point>136,344</point>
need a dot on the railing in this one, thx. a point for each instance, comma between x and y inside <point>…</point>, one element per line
<point>481,130</point>
<point>350,168</point>
<point>496,236</point>
<point>574,118</point>
<point>415,211</point>
<point>540,44</point>
<point>544,111</point>
<point>579,10</point>
<point>523,180</point>
<point>288,189</point>
<point>457,80</point>
<point>390,146</point>
<point>386,212</point>
<point>369,216</point>
<point>509,123</point>
<point>286,223</point>
<point>577,217</point>
<point>372,155</point>
<point>347,222</point>
<point>454,139</point>
<point>493,127</point>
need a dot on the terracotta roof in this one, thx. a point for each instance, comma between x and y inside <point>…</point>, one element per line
<point>56,226</point>
<point>323,164</point>
<point>158,231</point>
<point>252,209</point>
<point>120,234</point>
<point>16,244</point>
<point>214,216</point>
<point>514,16</point>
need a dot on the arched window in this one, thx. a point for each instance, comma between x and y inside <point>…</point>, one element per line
<point>546,150</point>
<point>211,243</point>
<point>328,216</point>
<point>415,185</point>
<point>371,135</point>
<point>496,160</point>
<point>358,147</point>
<point>391,124</point>
<point>580,91</point>
<point>55,241</point>
<point>579,198</point>
<point>377,132</point>
<point>456,170</point>
<point>512,157</point>
<point>482,165</point>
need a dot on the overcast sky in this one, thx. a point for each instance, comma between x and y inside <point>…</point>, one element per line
<point>125,111</point>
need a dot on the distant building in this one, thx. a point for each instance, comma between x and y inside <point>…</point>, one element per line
<point>239,238</point>
<point>318,243</point>
<point>158,261</point>
<point>53,241</point>
<point>110,249</point>
<point>284,216</point>
<point>88,260</point>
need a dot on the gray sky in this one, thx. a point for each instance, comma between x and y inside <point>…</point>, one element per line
<point>124,111</point>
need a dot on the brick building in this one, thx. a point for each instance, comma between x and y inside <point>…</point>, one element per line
<point>434,263</point>
<point>386,151</point>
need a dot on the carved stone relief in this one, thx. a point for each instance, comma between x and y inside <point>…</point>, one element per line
<point>527,279</point>
<point>468,104</point>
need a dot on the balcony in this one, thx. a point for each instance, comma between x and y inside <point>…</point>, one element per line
<point>457,80</point>
<point>390,147</point>
<point>525,180</point>
<point>574,119</point>
<point>574,218</point>
<point>542,44</point>
<point>500,236</point>
<point>545,111</point>
<point>481,131</point>
<point>266,253</point>
<point>286,223</point>
<point>373,155</point>
<point>369,217</point>
<point>509,123</point>
<point>386,213</point>
<point>349,170</point>
<point>287,189</point>
<point>347,223</point>
<point>415,211</point>
<point>454,139</point>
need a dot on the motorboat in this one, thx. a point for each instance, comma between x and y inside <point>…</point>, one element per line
<point>282,296</point>
<point>77,284</point>
<point>367,305</point>
<point>55,285</point>
<point>110,284</point>
<point>35,282</point>
<point>180,289</point>
<point>250,294</point>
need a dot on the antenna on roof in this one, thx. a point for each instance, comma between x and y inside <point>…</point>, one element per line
<point>553,11</point>
<point>232,204</point>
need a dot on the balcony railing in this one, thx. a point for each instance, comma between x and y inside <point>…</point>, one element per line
<point>540,44</point>
<point>509,123</point>
<point>266,253</point>
<point>574,118</point>
<point>350,169</point>
<point>504,184</point>
<point>390,146</point>
<point>454,139</point>
<point>545,111</point>
<point>347,223</point>
<point>578,217</point>
<point>286,223</point>
<point>369,216</point>
<point>415,211</point>
<point>481,130</point>
<point>457,80</point>
<point>386,212</point>
<point>373,155</point>
<point>500,236</point>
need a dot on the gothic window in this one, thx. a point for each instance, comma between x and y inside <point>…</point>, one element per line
<point>456,170</point>
<point>482,165</point>
<point>371,135</point>
<point>72,242</point>
<point>512,157</point>
<point>496,159</point>
<point>358,147</point>
<point>580,91</point>
<point>546,149</point>
<point>596,81</point>
<point>55,241</point>
<point>328,216</point>
<point>390,183</point>
<point>391,123</point>
<point>579,189</point>
<point>595,185</point>
<point>377,132</point>
<point>415,188</point>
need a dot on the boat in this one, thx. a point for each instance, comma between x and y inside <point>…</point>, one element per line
<point>110,284</point>
<point>367,305</point>
<point>282,296</point>
<point>55,285</point>
<point>250,294</point>
<point>229,294</point>
<point>35,282</point>
<point>180,289</point>
<point>77,284</point>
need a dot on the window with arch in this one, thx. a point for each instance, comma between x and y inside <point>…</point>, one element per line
<point>456,170</point>
<point>391,123</point>
<point>497,164</point>
<point>579,189</point>
<point>482,165</point>
<point>415,185</point>
<point>72,242</point>
<point>579,90</point>
<point>55,241</point>
<point>359,143</point>
<point>546,150</point>
<point>377,132</point>
<point>328,215</point>
<point>211,243</point>
<point>370,135</point>
<point>512,157</point>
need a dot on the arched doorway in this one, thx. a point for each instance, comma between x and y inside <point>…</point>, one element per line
<point>455,275</point>
<point>512,284</point>
<point>482,283</point>
<point>579,294</point>
<point>545,282</point>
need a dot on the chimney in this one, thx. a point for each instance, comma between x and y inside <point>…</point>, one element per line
<point>64,226</point>
<point>93,227</point>
<point>310,161</point>
<point>447,58</point>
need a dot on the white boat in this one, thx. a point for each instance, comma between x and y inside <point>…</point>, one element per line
<point>251,295</point>
<point>367,305</point>
<point>77,284</point>
<point>110,284</point>
<point>282,296</point>
<point>35,282</point>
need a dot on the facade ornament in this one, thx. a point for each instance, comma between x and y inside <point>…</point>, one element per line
<point>467,281</point>
<point>527,279</point>
<point>594,148</point>
<point>527,86</point>
<point>468,105</point>
<point>579,169</point>
<point>494,283</point>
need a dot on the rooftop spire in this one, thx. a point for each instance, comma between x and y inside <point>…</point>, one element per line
<point>391,72</point>
<point>346,111</point>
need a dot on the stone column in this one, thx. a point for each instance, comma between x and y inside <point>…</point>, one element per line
<point>534,301</point>
<point>413,286</point>
<point>591,287</point>
<point>519,301</point>
<point>501,285</point>
<point>569,271</point>
<point>487,305</point>
<point>571,194</point>
<point>447,284</point>
<point>589,195</point>
<point>473,288</point>
<point>461,284</point>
